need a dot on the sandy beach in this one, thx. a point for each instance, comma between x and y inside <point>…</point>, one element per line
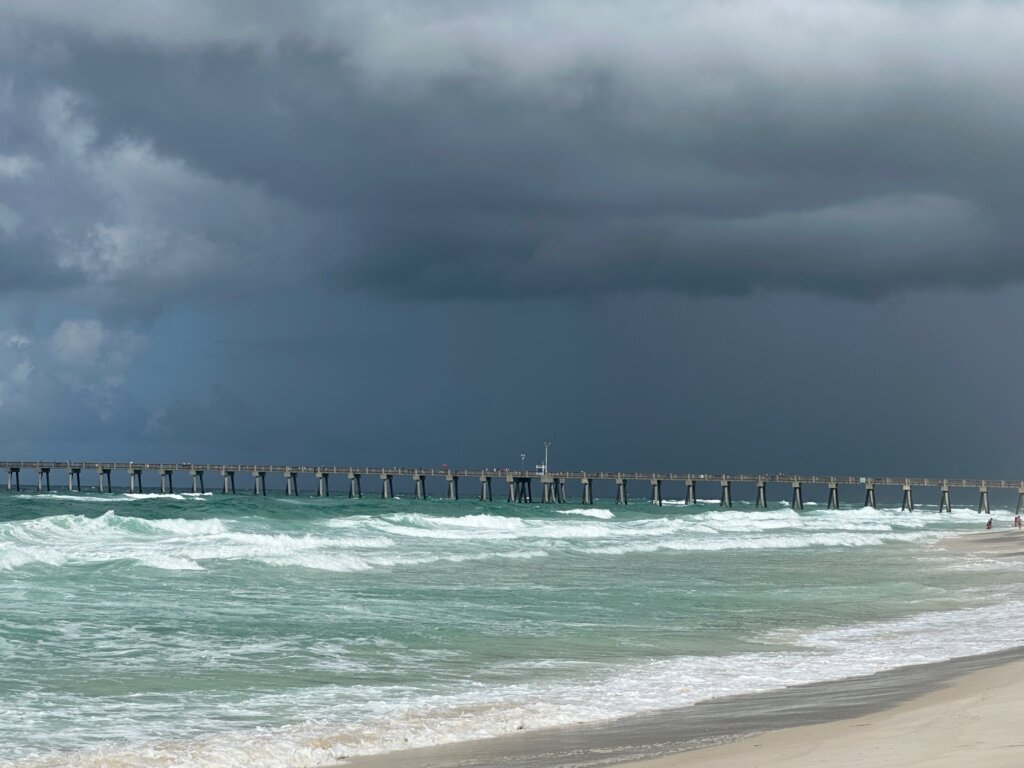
<point>965,711</point>
<point>975,720</point>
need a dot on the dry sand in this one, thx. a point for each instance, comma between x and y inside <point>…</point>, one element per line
<point>977,720</point>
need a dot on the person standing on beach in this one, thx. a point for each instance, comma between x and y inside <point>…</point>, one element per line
<point>988,525</point>
<point>1017,522</point>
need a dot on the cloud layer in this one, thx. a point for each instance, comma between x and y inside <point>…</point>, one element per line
<point>448,149</point>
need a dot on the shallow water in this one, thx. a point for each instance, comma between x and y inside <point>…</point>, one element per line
<point>231,630</point>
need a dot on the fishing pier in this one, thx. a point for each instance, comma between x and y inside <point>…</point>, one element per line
<point>554,486</point>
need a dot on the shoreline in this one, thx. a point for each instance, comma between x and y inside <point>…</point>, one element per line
<point>850,721</point>
<point>974,719</point>
<point>725,729</point>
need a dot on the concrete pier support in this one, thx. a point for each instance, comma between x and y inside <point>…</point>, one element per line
<point>485,488</point>
<point>259,483</point>
<point>355,487</point>
<point>387,487</point>
<point>691,491</point>
<point>983,499</point>
<point>166,481</point>
<point>1020,498</point>
<point>548,492</point>
<point>135,481</point>
<point>104,474</point>
<point>908,498</point>
<point>869,495</point>
<point>656,491</point>
<point>74,478</point>
<point>198,484</point>
<point>833,494</point>
<point>520,489</point>
<point>761,501</point>
<point>43,477</point>
<point>798,495</point>
<point>421,486</point>
<point>588,491</point>
<point>291,483</point>
<point>726,499</point>
<point>944,505</point>
<point>453,487</point>
<point>228,476</point>
<point>14,478</point>
<point>621,491</point>
<point>323,485</point>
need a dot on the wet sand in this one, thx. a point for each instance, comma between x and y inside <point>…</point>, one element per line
<point>998,542</point>
<point>967,711</point>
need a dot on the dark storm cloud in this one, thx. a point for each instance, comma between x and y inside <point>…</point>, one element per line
<point>450,150</point>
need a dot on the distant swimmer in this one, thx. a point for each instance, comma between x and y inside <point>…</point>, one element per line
<point>988,525</point>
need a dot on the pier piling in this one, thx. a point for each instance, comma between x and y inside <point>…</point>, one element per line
<point>75,479</point>
<point>453,487</point>
<point>833,495</point>
<point>291,482</point>
<point>761,501</point>
<point>229,480</point>
<point>135,481</point>
<point>387,488</point>
<point>259,483</point>
<point>323,488</point>
<point>621,491</point>
<point>798,495</point>
<point>944,505</point>
<point>869,495</point>
<point>520,489</point>
<point>14,479</point>
<point>548,489</point>
<point>166,481</point>
<point>656,491</point>
<point>726,499</point>
<point>421,487</point>
<point>43,472</point>
<point>355,487</point>
<point>983,499</point>
<point>908,498</point>
<point>485,488</point>
<point>691,491</point>
<point>198,484</point>
<point>588,491</point>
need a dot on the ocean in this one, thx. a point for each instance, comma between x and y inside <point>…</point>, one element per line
<point>219,630</point>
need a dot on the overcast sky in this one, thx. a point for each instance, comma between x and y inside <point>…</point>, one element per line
<point>682,236</point>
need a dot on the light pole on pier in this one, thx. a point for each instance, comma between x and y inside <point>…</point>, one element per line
<point>546,445</point>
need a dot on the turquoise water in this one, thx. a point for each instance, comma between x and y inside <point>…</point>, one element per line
<point>210,630</point>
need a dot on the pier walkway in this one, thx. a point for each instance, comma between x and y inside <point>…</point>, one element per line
<point>553,485</point>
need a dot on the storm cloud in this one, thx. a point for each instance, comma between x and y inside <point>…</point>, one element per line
<point>436,150</point>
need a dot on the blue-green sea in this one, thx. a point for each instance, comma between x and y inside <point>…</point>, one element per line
<point>220,630</point>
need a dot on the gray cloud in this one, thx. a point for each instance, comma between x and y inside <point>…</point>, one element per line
<point>453,149</point>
